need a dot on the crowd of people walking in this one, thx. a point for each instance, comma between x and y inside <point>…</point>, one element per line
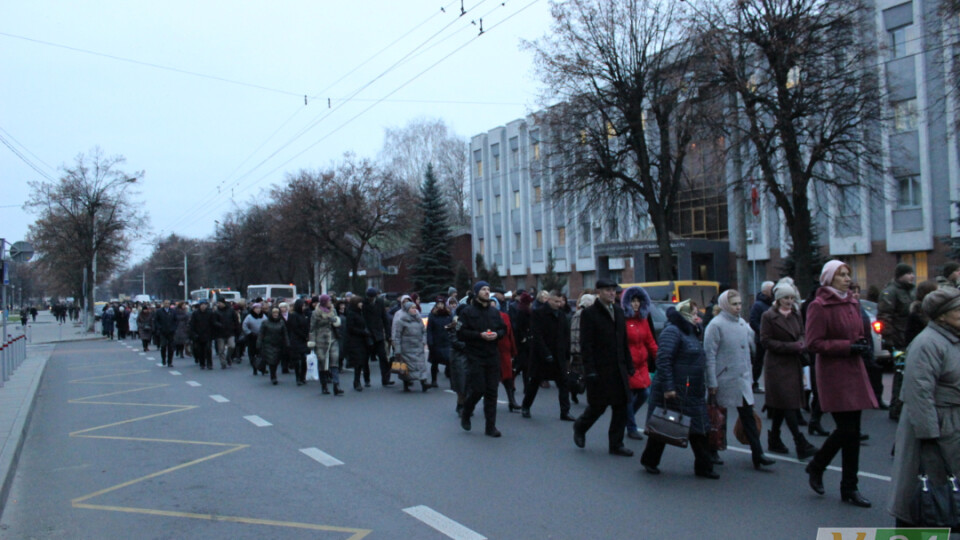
<point>814,356</point>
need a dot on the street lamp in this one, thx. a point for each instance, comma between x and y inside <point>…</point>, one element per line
<point>93,246</point>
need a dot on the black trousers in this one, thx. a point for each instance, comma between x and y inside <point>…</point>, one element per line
<point>166,349</point>
<point>360,363</point>
<point>845,439</point>
<point>379,350</point>
<point>563,393</point>
<point>757,363</point>
<point>750,430</point>
<point>299,361</point>
<point>596,405</point>
<point>698,444</point>
<point>483,381</point>
<point>202,353</point>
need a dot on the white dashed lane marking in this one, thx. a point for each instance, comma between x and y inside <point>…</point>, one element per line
<point>176,373</point>
<point>193,383</point>
<point>220,399</point>
<point>322,457</point>
<point>442,523</point>
<point>257,421</point>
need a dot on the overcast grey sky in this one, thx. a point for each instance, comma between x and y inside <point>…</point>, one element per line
<point>207,144</point>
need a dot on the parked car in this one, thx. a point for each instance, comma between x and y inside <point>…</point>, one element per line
<point>881,354</point>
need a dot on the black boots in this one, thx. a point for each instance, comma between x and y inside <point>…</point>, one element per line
<point>424,385</point>
<point>855,498</point>
<point>804,448</point>
<point>337,391</point>
<point>324,389</point>
<point>814,428</point>
<point>512,398</point>
<point>816,478</point>
<point>774,444</point>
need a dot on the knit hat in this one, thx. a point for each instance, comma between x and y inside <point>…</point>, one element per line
<point>372,291</point>
<point>950,268</point>
<point>901,270</point>
<point>784,288</point>
<point>526,299</point>
<point>941,301</point>
<point>829,269</point>
<point>407,305</point>
<point>586,300</point>
<point>479,285</point>
<point>324,300</point>
<point>451,291</point>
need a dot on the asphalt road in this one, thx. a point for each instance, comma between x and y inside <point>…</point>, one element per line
<point>119,447</point>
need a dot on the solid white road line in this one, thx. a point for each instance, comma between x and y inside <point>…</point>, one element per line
<point>219,399</point>
<point>322,457</point>
<point>442,523</point>
<point>193,383</point>
<point>257,421</point>
<point>793,460</point>
<point>176,373</point>
<point>449,391</point>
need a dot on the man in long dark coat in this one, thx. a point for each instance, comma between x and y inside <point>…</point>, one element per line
<point>607,367</point>
<point>548,355</point>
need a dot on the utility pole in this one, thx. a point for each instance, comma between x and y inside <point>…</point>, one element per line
<point>3,275</point>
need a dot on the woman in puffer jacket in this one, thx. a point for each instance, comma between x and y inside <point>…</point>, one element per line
<point>643,348</point>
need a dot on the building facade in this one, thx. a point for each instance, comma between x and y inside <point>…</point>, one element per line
<point>909,219</point>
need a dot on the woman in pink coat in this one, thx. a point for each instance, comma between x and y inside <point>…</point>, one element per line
<point>835,334</point>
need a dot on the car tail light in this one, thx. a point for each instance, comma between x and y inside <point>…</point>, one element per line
<point>674,299</point>
<point>878,327</point>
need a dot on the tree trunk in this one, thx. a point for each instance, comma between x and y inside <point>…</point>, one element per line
<point>662,230</point>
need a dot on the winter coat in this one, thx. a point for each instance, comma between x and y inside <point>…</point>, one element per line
<point>605,354</point>
<point>916,321</point>
<point>458,356</point>
<point>298,333</point>
<point>355,344</point>
<point>931,410</point>
<point>728,344</point>
<point>474,320</point>
<point>251,324</point>
<point>123,320</point>
<point>376,318</point>
<point>272,342</point>
<point>643,347</point>
<point>182,334</point>
<point>782,338</point>
<point>893,309</point>
<point>833,324</point>
<point>550,343</point>
<point>226,322</point>
<point>760,306</point>
<point>438,340</point>
<point>521,323</point>
<point>681,368</point>
<point>409,340</point>
<point>107,319</point>
<point>165,322</point>
<point>324,335</point>
<point>201,325</point>
<point>508,350</point>
<point>145,324</point>
<point>133,321</point>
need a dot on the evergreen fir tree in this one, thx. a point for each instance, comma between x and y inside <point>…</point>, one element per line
<point>461,279</point>
<point>433,270</point>
<point>482,273</point>
<point>551,280</point>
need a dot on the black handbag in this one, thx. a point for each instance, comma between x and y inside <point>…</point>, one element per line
<point>668,427</point>
<point>936,505</point>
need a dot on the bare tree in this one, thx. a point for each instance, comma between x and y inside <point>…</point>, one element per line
<point>87,215</point>
<point>408,150</point>
<point>808,103</point>
<point>630,103</point>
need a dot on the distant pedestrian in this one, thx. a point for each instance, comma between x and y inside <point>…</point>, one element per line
<point>251,332</point>
<point>165,326</point>
<point>409,341</point>
<point>107,320</point>
<point>145,326</point>
<point>550,345</point>
<point>643,351</point>
<point>273,342</point>
<point>357,343</point>
<point>325,326</point>
<point>202,332</point>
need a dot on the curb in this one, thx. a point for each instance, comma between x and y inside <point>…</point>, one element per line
<point>10,454</point>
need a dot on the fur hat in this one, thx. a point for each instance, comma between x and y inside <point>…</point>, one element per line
<point>901,270</point>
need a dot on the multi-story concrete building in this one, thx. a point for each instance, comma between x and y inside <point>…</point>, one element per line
<point>517,227</point>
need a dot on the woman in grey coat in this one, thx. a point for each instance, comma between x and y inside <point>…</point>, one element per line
<point>729,344</point>
<point>929,428</point>
<point>409,336</point>
<point>324,341</point>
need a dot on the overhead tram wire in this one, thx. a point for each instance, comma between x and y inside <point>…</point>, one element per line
<point>214,195</point>
<point>25,159</point>
<point>152,65</point>
<point>471,40</point>
<point>27,150</point>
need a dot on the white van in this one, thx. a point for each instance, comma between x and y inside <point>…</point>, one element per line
<point>211,295</point>
<point>273,292</point>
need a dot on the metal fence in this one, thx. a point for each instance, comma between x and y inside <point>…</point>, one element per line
<point>13,352</point>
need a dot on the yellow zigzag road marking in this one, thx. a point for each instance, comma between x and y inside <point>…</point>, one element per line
<point>79,502</point>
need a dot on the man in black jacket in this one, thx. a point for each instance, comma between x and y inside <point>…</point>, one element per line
<point>226,323</point>
<point>165,325</point>
<point>607,367</point>
<point>379,325</point>
<point>479,326</point>
<point>550,331</point>
<point>201,332</point>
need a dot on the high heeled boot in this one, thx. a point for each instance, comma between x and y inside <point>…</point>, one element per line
<point>774,444</point>
<point>512,397</point>
<point>804,448</point>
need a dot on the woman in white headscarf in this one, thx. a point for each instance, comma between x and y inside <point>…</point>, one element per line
<point>729,345</point>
